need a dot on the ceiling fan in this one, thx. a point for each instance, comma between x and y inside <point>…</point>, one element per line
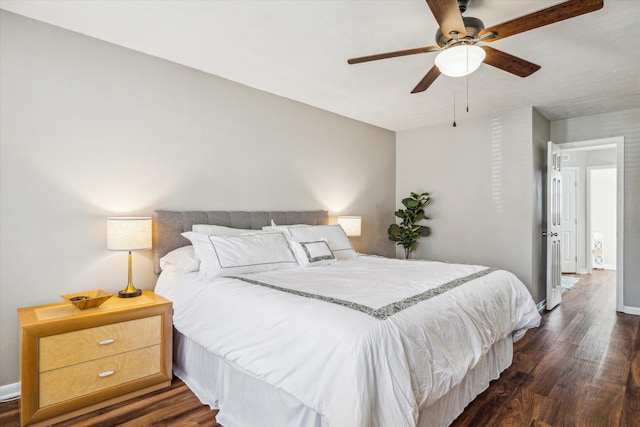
<point>457,38</point>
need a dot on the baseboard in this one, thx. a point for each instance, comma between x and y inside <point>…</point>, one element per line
<point>609,267</point>
<point>541,305</point>
<point>631,310</point>
<point>9,391</point>
<point>583,271</point>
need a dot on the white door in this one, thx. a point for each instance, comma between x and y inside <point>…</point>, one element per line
<point>554,219</point>
<point>569,224</point>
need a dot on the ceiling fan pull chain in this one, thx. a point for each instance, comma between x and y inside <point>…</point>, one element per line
<point>454,102</point>
<point>467,76</point>
<point>467,93</point>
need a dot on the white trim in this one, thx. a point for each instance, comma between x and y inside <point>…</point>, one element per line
<point>609,267</point>
<point>620,226</point>
<point>593,144</point>
<point>541,305</point>
<point>631,310</point>
<point>588,242</point>
<point>618,142</point>
<point>9,391</point>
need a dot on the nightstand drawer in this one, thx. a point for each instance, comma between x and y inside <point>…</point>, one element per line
<point>78,380</point>
<point>57,351</point>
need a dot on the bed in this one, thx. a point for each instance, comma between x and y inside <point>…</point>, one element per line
<point>290,327</point>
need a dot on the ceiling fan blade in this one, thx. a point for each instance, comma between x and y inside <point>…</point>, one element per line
<point>426,81</point>
<point>448,16</point>
<point>550,15</point>
<point>393,54</point>
<point>509,63</point>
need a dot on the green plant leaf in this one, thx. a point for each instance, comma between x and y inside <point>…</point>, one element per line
<point>410,203</point>
<point>419,217</point>
<point>407,233</point>
<point>424,231</point>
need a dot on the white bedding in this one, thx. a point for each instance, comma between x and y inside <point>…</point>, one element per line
<point>365,342</point>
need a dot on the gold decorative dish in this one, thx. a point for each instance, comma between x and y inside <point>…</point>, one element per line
<point>87,299</point>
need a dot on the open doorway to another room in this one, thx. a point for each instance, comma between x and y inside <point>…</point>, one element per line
<point>589,214</point>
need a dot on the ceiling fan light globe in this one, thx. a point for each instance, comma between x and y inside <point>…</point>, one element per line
<point>459,61</point>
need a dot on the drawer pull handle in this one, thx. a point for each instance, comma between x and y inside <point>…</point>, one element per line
<point>106,374</point>
<point>107,341</point>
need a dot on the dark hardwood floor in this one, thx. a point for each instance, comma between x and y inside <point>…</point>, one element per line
<point>580,368</point>
<point>173,406</point>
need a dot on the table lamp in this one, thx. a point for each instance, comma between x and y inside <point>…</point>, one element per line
<point>352,225</point>
<point>129,234</point>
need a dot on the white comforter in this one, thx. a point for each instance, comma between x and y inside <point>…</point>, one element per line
<point>374,364</point>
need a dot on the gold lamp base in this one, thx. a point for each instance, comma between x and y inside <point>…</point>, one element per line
<point>130,291</point>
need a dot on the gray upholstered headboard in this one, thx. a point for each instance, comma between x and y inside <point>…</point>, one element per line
<point>168,225</point>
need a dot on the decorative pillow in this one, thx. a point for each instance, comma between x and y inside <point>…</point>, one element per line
<point>183,258</point>
<point>282,228</point>
<point>313,253</point>
<point>334,235</point>
<point>245,253</point>
<point>219,230</point>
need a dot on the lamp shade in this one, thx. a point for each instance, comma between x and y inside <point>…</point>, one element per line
<point>352,225</point>
<point>128,233</point>
<point>458,61</point>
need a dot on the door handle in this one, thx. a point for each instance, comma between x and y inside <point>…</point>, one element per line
<point>545,234</point>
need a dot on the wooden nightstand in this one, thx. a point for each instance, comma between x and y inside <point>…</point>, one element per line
<point>76,361</point>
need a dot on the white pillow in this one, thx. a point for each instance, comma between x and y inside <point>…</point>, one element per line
<point>334,235</point>
<point>219,230</point>
<point>282,228</point>
<point>313,253</point>
<point>183,258</point>
<point>246,253</point>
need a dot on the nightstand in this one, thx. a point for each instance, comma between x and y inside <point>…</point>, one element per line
<point>76,361</point>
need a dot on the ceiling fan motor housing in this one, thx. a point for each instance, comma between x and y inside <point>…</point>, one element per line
<point>472,26</point>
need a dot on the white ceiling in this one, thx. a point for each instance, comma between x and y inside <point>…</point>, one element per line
<point>299,50</point>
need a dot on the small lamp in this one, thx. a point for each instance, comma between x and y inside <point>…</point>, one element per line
<point>352,225</point>
<point>458,61</point>
<point>129,234</point>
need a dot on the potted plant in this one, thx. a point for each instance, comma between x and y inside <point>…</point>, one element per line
<point>407,233</point>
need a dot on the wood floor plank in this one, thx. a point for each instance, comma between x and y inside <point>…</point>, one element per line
<point>591,412</point>
<point>491,401</point>
<point>531,346</point>
<point>551,367</point>
<point>178,394</point>
<point>10,413</point>
<point>630,416</point>
<point>580,368</point>
<point>585,400</point>
<point>524,407</point>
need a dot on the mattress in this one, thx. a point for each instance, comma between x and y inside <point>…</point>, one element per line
<point>364,342</point>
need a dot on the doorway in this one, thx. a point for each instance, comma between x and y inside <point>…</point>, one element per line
<point>601,218</point>
<point>592,166</point>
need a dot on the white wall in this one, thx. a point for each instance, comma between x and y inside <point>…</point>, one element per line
<point>91,130</point>
<point>626,124</point>
<point>603,210</point>
<point>486,185</point>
